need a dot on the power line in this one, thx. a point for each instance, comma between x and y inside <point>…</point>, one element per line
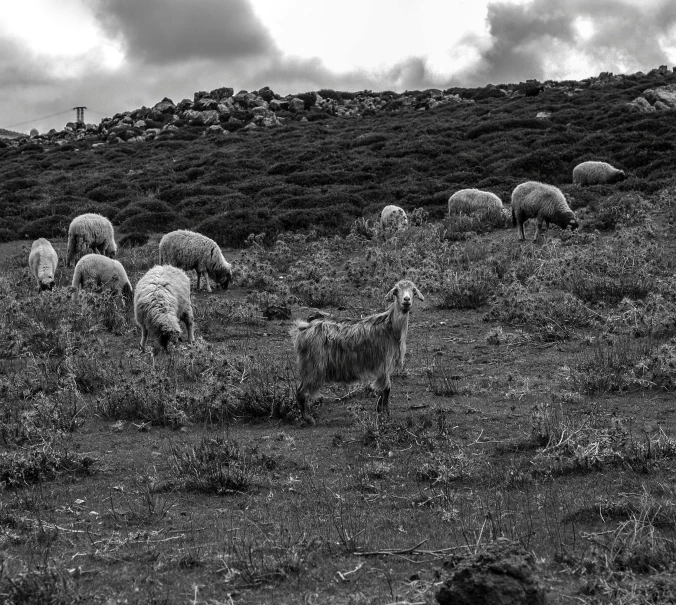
<point>36,119</point>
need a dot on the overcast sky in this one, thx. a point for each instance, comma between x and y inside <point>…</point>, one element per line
<point>118,55</point>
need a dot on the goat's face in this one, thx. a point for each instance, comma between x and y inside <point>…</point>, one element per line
<point>403,294</point>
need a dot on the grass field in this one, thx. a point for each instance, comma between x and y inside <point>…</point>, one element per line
<point>536,402</point>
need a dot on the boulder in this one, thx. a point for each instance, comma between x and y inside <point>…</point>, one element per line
<point>641,105</point>
<point>199,94</point>
<point>210,117</point>
<point>140,124</point>
<point>166,105</point>
<point>502,573</point>
<point>660,106</point>
<point>213,130</point>
<point>665,94</point>
<point>183,105</point>
<point>220,94</point>
<point>205,103</point>
<point>279,104</point>
<point>223,109</point>
<point>543,115</point>
<point>296,104</point>
<point>191,114</point>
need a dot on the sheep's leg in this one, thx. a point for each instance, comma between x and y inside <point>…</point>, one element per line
<point>144,338</point>
<point>538,228</point>
<point>190,325</point>
<point>519,225</point>
<point>301,397</point>
<point>206,281</point>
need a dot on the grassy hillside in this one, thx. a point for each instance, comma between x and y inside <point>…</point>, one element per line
<point>535,405</point>
<point>286,178</point>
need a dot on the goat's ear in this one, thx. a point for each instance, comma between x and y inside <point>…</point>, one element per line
<point>392,294</point>
<point>417,294</point>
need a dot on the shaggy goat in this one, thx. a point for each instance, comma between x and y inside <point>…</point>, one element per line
<point>354,350</point>
<point>597,173</point>
<point>545,203</point>
<point>90,232</point>
<point>468,201</point>
<point>188,250</point>
<point>42,262</point>
<point>161,300</point>
<point>393,218</point>
<point>104,272</point>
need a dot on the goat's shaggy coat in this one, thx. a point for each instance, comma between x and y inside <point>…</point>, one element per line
<point>393,218</point>
<point>469,201</point>
<point>545,203</point>
<point>188,250</point>
<point>42,262</point>
<point>90,232</point>
<point>354,350</point>
<point>161,300</point>
<point>104,272</point>
<point>597,173</point>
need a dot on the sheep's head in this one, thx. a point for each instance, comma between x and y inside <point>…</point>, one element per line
<point>621,176</point>
<point>403,293</point>
<point>223,276</point>
<point>47,284</point>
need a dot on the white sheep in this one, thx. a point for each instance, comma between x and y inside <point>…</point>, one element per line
<point>161,300</point>
<point>545,203</point>
<point>352,350</point>
<point>597,173</point>
<point>469,201</point>
<point>393,218</point>
<point>42,262</point>
<point>90,232</point>
<point>189,250</point>
<point>104,272</point>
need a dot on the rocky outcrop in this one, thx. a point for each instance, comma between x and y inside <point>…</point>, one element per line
<point>503,573</point>
<point>221,110</point>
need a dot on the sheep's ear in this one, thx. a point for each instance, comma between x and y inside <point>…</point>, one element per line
<point>392,294</point>
<point>417,294</point>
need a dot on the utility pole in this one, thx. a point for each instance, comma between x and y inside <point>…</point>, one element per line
<point>79,116</point>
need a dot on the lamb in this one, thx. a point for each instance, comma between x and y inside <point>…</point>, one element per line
<point>161,300</point>
<point>190,250</point>
<point>104,272</point>
<point>393,218</point>
<point>351,350</point>
<point>90,232</point>
<point>545,203</point>
<point>468,201</point>
<point>42,262</point>
<point>597,173</point>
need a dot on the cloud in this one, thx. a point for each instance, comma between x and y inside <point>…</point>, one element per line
<point>533,40</point>
<point>172,31</point>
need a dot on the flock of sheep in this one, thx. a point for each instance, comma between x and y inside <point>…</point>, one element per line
<point>531,200</point>
<point>327,349</point>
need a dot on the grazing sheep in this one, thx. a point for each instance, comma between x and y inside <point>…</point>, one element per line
<point>42,262</point>
<point>189,250</point>
<point>90,232</point>
<point>468,201</point>
<point>351,350</point>
<point>161,300</point>
<point>104,272</point>
<point>545,203</point>
<point>393,218</point>
<point>597,173</point>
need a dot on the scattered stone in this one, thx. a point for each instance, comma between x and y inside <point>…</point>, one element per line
<point>543,115</point>
<point>166,105</point>
<point>641,105</point>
